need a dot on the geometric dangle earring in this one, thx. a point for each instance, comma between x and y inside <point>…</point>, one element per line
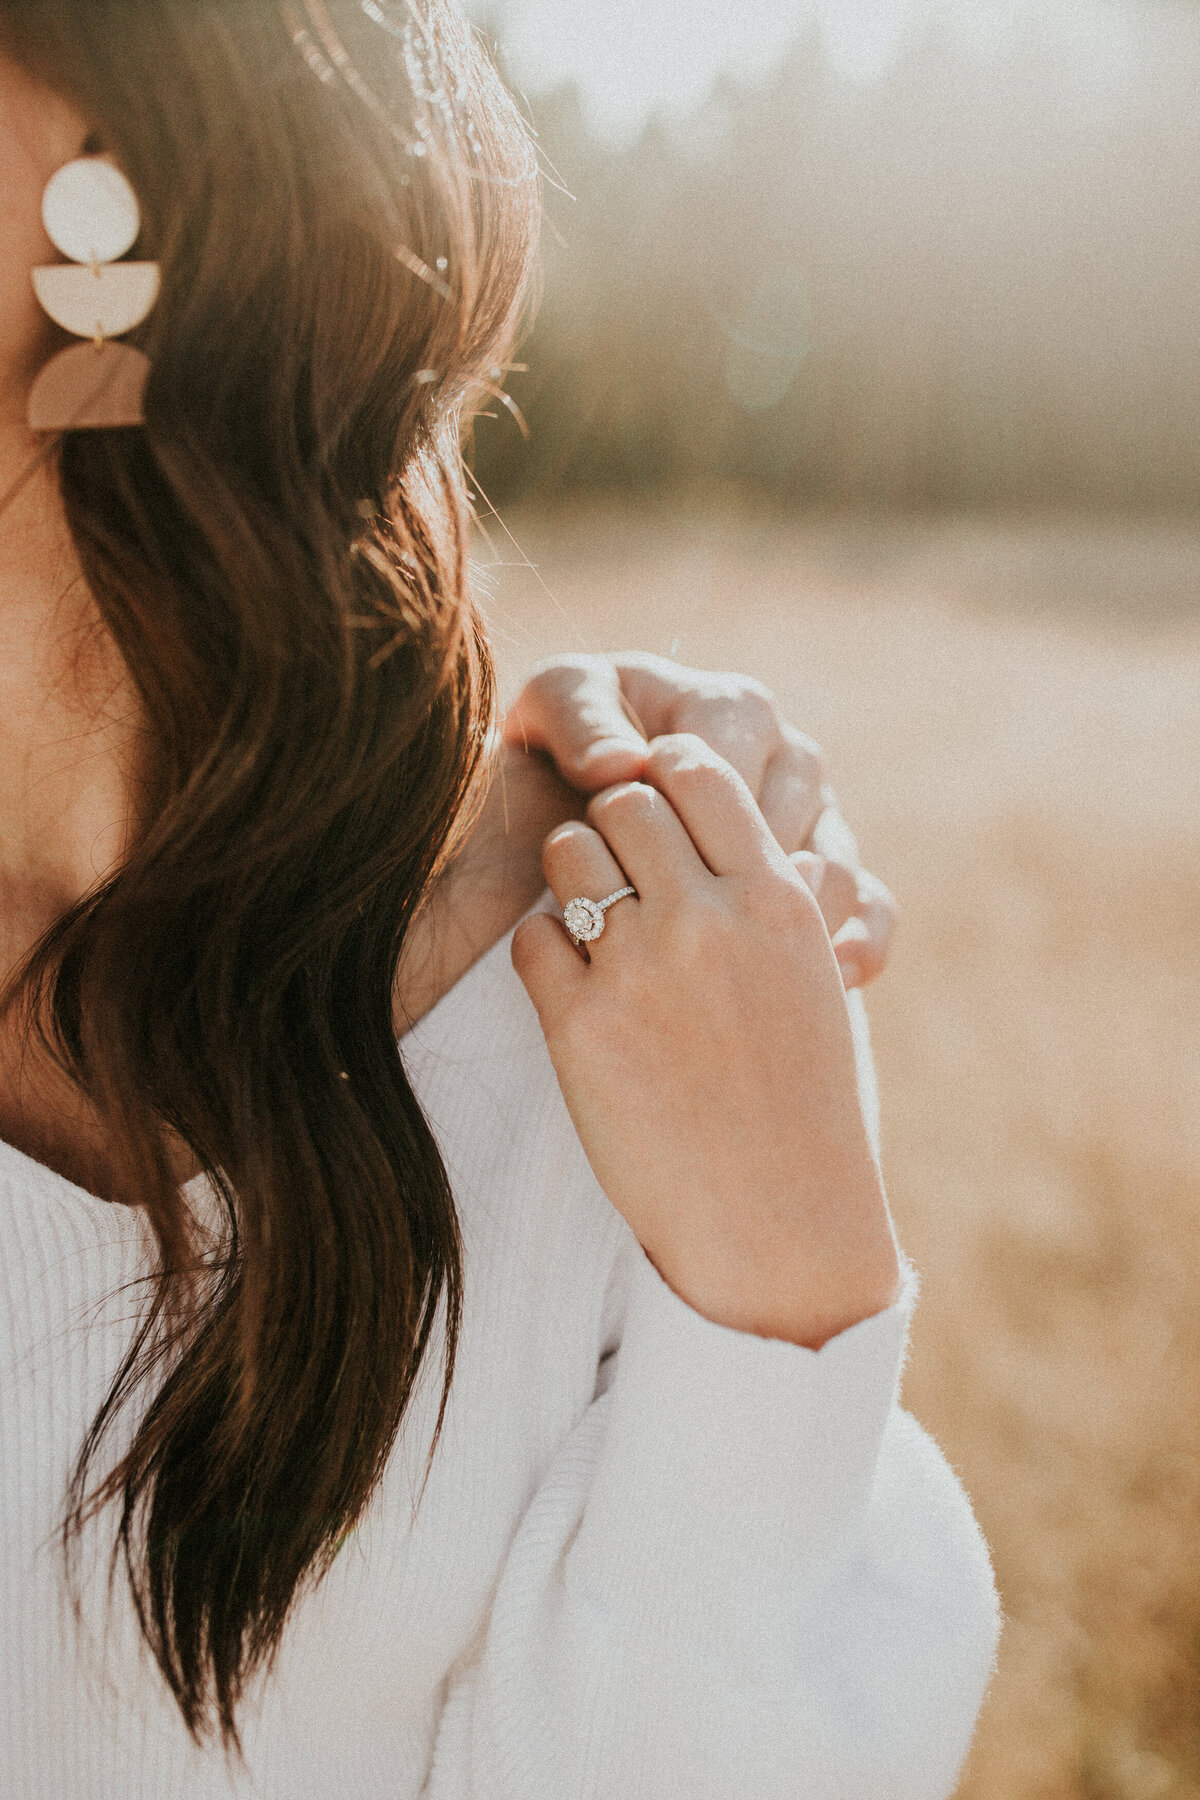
<point>91,214</point>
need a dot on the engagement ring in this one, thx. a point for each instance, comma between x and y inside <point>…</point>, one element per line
<point>584,919</point>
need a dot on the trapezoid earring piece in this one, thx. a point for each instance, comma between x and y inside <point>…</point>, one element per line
<point>91,214</point>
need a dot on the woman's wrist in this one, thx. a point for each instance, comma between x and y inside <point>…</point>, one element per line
<point>803,1298</point>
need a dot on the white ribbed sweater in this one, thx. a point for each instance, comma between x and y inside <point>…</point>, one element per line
<point>655,1559</point>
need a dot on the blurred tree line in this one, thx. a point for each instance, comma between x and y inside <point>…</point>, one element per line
<point>974,281</point>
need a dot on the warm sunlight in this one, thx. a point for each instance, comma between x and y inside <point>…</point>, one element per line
<point>632,60</point>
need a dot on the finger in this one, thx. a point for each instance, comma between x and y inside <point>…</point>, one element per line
<point>655,685</point>
<point>579,865</point>
<point>645,834</point>
<point>576,712</point>
<point>835,888</point>
<point>714,804</point>
<point>741,727</point>
<point>734,714</point>
<point>789,795</point>
<point>839,894</point>
<point>864,943</point>
<point>548,964</point>
<point>832,837</point>
<point>812,870</point>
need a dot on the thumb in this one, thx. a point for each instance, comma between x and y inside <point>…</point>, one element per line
<point>575,711</point>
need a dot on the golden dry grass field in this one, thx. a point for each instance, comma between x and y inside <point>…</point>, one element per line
<point>1011,714</point>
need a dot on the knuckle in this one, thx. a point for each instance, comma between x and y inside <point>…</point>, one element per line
<point>687,757</point>
<point>754,710</point>
<point>736,708</point>
<point>805,757</point>
<point>563,844</point>
<point>629,800</point>
<point>675,744</point>
<point>557,686</point>
<point>556,671</point>
<point>757,701</point>
<point>541,682</point>
<point>744,690</point>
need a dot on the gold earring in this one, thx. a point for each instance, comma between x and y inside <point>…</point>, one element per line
<point>91,214</point>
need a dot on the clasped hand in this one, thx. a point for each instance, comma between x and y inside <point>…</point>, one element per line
<point>593,715</point>
<point>705,1053</point>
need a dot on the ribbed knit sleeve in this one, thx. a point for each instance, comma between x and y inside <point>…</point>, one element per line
<point>651,1559</point>
<point>748,1575</point>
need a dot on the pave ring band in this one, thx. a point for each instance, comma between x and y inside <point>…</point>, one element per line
<point>584,919</point>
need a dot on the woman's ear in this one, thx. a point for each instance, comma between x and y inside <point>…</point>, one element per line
<point>39,132</point>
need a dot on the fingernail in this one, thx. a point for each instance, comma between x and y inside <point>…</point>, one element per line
<point>851,975</point>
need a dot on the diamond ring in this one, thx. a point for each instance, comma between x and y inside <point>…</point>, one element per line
<point>584,919</point>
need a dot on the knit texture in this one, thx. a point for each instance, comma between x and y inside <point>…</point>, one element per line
<point>655,1559</point>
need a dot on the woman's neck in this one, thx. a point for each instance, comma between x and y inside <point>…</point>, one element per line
<point>70,734</point>
<point>71,738</point>
<point>70,721</point>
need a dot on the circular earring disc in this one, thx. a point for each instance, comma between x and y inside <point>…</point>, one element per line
<point>90,211</point>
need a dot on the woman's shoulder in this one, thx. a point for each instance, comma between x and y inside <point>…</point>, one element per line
<point>73,1288</point>
<point>50,1227</point>
<point>536,1224</point>
<point>479,1065</point>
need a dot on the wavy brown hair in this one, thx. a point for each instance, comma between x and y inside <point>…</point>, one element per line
<point>343,200</point>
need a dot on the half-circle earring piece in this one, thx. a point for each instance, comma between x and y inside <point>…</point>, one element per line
<point>91,214</point>
<point>82,389</point>
<point>101,302</point>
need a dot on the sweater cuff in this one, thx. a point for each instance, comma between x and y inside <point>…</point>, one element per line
<point>735,1470</point>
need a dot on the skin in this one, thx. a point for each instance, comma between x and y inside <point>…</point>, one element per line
<point>70,730</point>
<point>704,1049</point>
<point>582,723</point>
<point>705,1053</point>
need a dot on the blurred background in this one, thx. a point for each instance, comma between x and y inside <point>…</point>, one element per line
<point>868,362</point>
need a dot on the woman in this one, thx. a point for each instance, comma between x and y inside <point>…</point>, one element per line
<point>376,1424</point>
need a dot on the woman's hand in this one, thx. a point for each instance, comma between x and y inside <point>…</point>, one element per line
<point>705,1052</point>
<point>593,714</point>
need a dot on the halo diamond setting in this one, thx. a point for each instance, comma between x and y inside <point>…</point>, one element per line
<point>584,919</point>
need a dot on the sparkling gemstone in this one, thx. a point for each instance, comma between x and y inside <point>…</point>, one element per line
<point>583,919</point>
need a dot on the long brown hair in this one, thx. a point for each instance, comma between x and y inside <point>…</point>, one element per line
<point>343,200</point>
